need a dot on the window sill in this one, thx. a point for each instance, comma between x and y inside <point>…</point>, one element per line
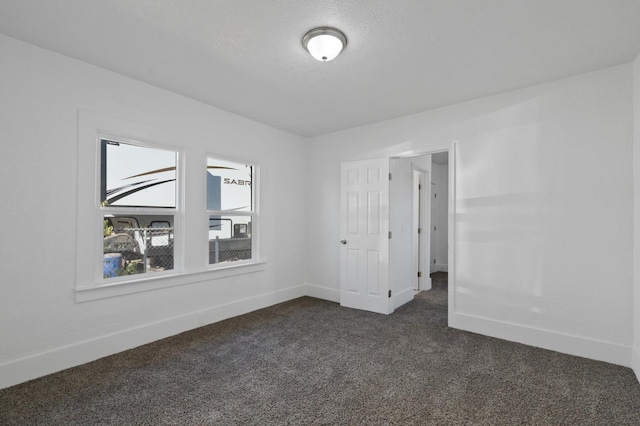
<point>147,283</point>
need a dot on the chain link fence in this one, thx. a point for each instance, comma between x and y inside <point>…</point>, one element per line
<point>130,251</point>
<point>229,249</point>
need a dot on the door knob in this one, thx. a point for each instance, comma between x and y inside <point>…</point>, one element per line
<point>343,241</point>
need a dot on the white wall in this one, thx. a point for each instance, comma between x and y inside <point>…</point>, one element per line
<point>543,214</point>
<point>636,210</point>
<point>439,216</point>
<point>42,328</point>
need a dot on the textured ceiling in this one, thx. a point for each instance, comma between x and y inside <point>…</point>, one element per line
<point>403,56</point>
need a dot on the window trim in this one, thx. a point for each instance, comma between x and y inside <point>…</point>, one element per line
<point>156,282</point>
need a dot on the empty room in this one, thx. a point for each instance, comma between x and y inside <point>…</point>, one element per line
<point>320,212</point>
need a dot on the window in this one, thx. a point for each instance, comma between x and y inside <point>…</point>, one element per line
<point>230,210</point>
<point>140,217</point>
<point>138,199</point>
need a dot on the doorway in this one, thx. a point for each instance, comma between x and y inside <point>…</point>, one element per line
<point>420,247</point>
<point>380,239</point>
<point>419,239</point>
<point>439,226</point>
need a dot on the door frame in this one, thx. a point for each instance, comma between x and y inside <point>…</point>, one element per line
<point>420,219</point>
<point>451,148</point>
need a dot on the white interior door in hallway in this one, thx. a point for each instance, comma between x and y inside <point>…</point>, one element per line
<point>421,247</point>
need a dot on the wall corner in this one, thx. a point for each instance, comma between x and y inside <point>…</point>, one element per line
<point>635,66</point>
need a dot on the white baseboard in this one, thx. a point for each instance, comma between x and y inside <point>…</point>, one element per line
<point>403,297</point>
<point>324,293</point>
<point>635,362</point>
<point>38,365</point>
<point>333,294</point>
<point>565,343</point>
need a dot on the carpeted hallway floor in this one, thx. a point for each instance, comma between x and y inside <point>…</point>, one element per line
<point>309,361</point>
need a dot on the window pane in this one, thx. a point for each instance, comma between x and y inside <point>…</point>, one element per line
<point>137,244</point>
<point>229,185</point>
<point>137,176</point>
<point>229,238</point>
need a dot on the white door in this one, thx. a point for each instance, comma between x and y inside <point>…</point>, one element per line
<point>433,227</point>
<point>364,229</point>
<point>421,232</point>
<point>420,250</point>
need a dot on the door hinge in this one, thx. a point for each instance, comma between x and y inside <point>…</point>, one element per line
<point>419,274</point>
<point>389,176</point>
<point>389,293</point>
<point>435,195</point>
<point>419,187</point>
<point>434,228</point>
<point>419,230</point>
<point>389,234</point>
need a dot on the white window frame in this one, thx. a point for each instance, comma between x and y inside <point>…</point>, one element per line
<point>254,214</point>
<point>176,212</point>
<point>189,219</point>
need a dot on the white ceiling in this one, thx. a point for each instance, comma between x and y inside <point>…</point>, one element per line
<point>402,57</point>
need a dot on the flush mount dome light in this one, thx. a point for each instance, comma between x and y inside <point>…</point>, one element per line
<point>324,43</point>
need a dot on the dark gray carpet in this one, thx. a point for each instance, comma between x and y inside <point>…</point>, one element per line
<point>312,362</point>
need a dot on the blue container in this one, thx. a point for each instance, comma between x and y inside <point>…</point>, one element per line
<point>112,265</point>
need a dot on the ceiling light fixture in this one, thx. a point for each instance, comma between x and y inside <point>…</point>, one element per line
<point>324,43</point>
